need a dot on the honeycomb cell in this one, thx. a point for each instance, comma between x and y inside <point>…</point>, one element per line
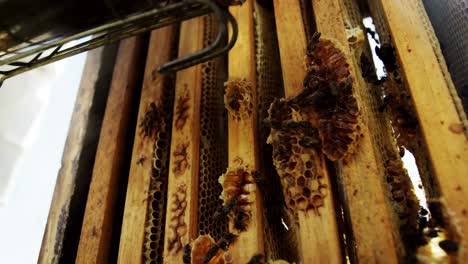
<point>213,139</point>
<point>156,211</point>
<point>301,181</point>
<point>355,37</point>
<point>238,186</point>
<point>269,85</point>
<point>323,118</point>
<point>298,166</point>
<point>238,98</point>
<point>326,104</point>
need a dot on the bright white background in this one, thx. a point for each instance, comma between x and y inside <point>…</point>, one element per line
<point>35,112</point>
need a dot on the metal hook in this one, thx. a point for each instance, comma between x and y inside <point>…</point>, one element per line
<point>214,49</point>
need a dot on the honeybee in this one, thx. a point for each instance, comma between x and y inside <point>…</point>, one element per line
<point>256,259</point>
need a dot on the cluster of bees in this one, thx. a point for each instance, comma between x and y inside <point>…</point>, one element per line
<point>181,111</point>
<point>323,119</point>
<point>238,98</point>
<point>152,119</point>
<point>238,184</point>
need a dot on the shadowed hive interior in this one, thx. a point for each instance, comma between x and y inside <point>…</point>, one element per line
<point>213,154</point>
<point>154,230</point>
<point>270,86</point>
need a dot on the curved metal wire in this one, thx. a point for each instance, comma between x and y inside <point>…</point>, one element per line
<point>28,58</point>
<point>212,51</point>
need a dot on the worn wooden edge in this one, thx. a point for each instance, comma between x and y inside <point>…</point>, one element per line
<point>372,218</point>
<point>441,124</point>
<point>183,176</point>
<point>385,145</point>
<point>138,197</point>
<point>316,232</point>
<point>78,154</point>
<point>419,151</point>
<point>242,133</point>
<point>97,225</point>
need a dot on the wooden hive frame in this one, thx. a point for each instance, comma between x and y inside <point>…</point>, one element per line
<point>440,115</point>
<point>146,178</point>
<point>184,160</point>
<point>97,228</point>
<point>243,146</point>
<point>318,235</point>
<point>361,218</point>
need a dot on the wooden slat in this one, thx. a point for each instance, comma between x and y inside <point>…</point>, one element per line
<point>183,176</point>
<point>97,223</point>
<point>417,147</point>
<point>137,199</point>
<point>440,122</point>
<point>385,146</point>
<point>242,138</point>
<point>378,221</point>
<point>78,154</point>
<point>318,234</point>
<point>371,216</point>
<point>292,44</point>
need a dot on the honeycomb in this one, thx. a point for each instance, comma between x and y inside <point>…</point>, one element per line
<point>402,104</point>
<point>355,37</point>
<point>205,246</point>
<point>328,98</point>
<point>402,115</point>
<point>353,22</point>
<point>324,117</point>
<point>279,242</point>
<point>398,101</point>
<point>213,140</point>
<point>296,147</point>
<point>435,8</point>
<point>238,185</point>
<point>156,212</point>
<point>177,225</point>
<point>403,199</point>
<point>238,98</point>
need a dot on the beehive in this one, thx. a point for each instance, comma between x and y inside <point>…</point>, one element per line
<point>289,149</point>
